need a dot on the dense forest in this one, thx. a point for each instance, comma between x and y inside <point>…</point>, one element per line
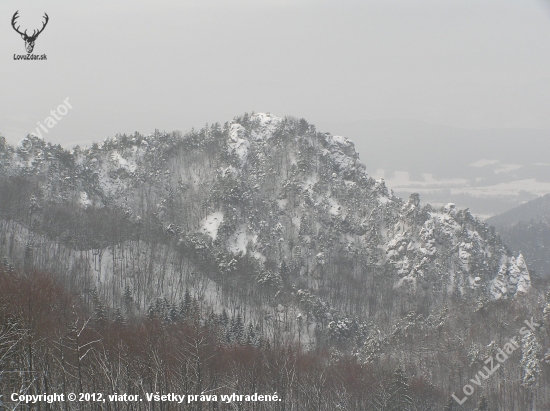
<point>255,257</point>
<point>52,341</point>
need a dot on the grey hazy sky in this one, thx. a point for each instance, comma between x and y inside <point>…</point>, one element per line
<point>141,65</point>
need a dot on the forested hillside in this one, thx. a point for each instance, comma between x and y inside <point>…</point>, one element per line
<point>275,231</point>
<point>526,229</point>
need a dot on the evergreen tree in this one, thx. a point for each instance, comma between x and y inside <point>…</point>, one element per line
<point>151,314</point>
<point>158,307</point>
<point>239,328</point>
<point>100,314</point>
<point>100,310</point>
<point>250,338</point>
<point>195,310</point>
<point>29,251</point>
<point>165,304</point>
<point>284,271</point>
<point>166,317</point>
<point>181,310</point>
<point>119,318</point>
<point>173,313</point>
<point>185,306</point>
<point>232,330</point>
<point>128,300</point>
<point>212,320</point>
<point>224,318</point>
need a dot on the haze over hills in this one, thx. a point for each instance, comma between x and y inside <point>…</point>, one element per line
<point>535,210</point>
<point>526,229</point>
<point>279,223</point>
<point>489,171</point>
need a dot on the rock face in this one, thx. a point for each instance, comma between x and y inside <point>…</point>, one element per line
<point>294,203</point>
<point>512,279</point>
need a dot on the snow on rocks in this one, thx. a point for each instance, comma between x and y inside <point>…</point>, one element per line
<point>83,200</point>
<point>238,142</point>
<point>238,242</point>
<point>342,152</point>
<point>265,126</point>
<point>512,279</point>
<point>211,224</point>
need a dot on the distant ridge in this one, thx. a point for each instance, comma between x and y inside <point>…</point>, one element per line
<point>536,210</point>
<point>526,229</point>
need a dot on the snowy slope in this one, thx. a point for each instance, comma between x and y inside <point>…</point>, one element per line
<point>274,195</point>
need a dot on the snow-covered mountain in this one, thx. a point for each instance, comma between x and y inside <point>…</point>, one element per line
<point>273,196</point>
<point>269,231</point>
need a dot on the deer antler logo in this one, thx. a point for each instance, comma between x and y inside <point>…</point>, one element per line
<point>29,40</point>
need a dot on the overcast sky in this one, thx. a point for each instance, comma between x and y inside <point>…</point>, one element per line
<point>141,65</point>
